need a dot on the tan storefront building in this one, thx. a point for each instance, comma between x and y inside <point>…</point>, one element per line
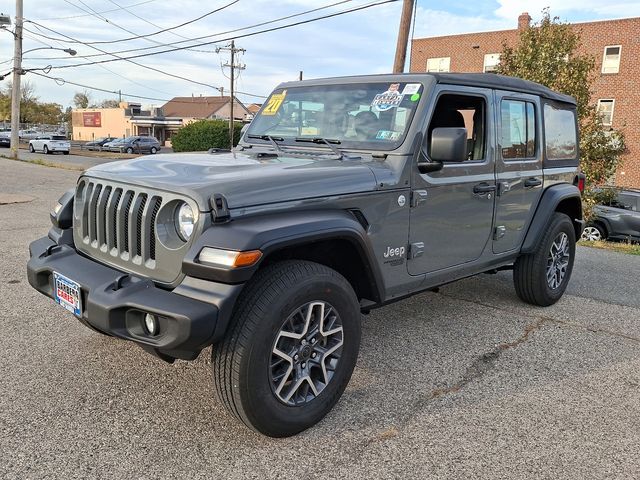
<point>126,120</point>
<point>129,119</point>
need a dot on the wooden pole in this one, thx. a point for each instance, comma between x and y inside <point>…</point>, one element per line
<point>403,36</point>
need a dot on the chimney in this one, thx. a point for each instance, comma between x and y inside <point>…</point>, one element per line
<point>523,21</point>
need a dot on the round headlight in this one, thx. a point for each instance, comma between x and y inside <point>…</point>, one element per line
<point>186,220</point>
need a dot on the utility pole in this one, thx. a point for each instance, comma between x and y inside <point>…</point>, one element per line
<point>403,36</point>
<point>232,67</point>
<point>15,90</point>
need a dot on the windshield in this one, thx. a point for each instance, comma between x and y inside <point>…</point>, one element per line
<point>360,115</point>
<point>58,137</point>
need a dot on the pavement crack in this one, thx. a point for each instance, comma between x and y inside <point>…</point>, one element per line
<point>485,362</point>
<point>587,328</point>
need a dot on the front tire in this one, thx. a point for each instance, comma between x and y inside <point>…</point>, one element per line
<point>129,150</point>
<point>153,150</point>
<point>542,277</point>
<point>291,348</point>
<point>45,150</point>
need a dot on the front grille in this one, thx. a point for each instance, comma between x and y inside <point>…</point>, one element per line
<point>118,221</point>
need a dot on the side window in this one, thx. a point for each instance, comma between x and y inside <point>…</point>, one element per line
<point>625,202</point>
<point>518,136</point>
<point>462,111</point>
<point>561,139</point>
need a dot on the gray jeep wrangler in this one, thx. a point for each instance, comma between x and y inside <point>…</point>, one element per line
<point>344,195</point>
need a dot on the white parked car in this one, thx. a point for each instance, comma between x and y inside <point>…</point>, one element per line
<point>50,144</point>
<point>28,134</point>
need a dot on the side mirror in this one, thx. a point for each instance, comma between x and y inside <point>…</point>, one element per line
<point>448,145</point>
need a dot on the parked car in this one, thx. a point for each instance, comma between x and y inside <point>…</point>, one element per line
<point>135,145</point>
<point>99,143</point>
<point>5,140</point>
<point>50,144</point>
<point>271,252</point>
<point>28,134</point>
<point>619,219</point>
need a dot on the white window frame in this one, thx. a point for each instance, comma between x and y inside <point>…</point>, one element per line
<point>439,68</point>
<point>490,56</point>
<point>604,59</point>
<point>613,106</point>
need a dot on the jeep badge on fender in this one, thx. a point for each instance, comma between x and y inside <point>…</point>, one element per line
<point>343,195</point>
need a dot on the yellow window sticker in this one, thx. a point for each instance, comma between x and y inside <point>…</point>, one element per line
<point>274,103</point>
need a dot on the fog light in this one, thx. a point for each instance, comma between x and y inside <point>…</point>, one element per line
<point>151,324</point>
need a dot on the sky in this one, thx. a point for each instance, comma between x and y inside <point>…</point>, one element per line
<point>361,42</point>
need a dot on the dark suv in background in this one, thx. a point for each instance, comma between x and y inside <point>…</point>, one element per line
<point>619,219</point>
<point>134,145</point>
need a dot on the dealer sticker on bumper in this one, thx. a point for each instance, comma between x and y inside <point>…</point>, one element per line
<point>67,293</point>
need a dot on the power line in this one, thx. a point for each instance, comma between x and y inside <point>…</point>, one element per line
<point>162,30</point>
<point>104,11</point>
<point>302,22</point>
<point>268,22</point>
<point>128,60</point>
<point>149,22</point>
<point>61,81</point>
<point>96,14</point>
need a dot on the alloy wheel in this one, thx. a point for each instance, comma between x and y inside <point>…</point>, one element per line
<point>591,234</point>
<point>558,260</point>
<point>306,353</point>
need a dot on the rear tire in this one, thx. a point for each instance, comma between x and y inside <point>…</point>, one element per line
<point>129,150</point>
<point>593,233</point>
<point>31,149</point>
<point>290,349</point>
<point>541,277</point>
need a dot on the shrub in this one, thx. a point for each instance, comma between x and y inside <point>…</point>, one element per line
<point>204,134</point>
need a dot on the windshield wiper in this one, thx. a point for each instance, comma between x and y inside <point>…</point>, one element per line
<point>274,140</point>
<point>329,142</point>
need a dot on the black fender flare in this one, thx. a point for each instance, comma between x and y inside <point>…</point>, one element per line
<point>276,231</point>
<point>551,199</point>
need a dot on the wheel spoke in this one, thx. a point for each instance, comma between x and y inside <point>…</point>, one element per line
<point>311,337</point>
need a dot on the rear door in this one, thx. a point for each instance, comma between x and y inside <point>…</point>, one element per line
<point>518,167</point>
<point>625,207</point>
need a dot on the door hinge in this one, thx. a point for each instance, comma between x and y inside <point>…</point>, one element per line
<point>499,232</point>
<point>415,250</point>
<point>503,187</point>
<point>418,197</point>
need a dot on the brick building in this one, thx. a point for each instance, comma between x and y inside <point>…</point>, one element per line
<point>615,45</point>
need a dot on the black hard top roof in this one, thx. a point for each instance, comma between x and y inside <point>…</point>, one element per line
<point>485,80</point>
<point>503,82</point>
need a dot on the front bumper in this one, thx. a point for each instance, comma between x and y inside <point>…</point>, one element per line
<point>115,303</point>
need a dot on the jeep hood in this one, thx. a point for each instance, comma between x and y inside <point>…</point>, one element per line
<point>244,179</point>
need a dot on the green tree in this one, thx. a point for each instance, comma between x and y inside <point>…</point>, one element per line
<point>204,134</point>
<point>548,53</point>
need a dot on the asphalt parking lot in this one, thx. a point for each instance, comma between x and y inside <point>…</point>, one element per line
<point>464,383</point>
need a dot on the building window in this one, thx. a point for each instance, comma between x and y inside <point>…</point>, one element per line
<point>518,121</point>
<point>441,64</point>
<point>605,109</point>
<point>491,61</point>
<point>611,59</point>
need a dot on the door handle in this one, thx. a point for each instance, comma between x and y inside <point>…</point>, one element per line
<point>483,188</point>
<point>532,182</point>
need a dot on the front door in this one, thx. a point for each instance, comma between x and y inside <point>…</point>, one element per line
<point>518,168</point>
<point>452,209</point>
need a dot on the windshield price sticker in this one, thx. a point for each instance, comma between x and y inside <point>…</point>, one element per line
<point>274,104</point>
<point>389,99</point>
<point>411,88</point>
